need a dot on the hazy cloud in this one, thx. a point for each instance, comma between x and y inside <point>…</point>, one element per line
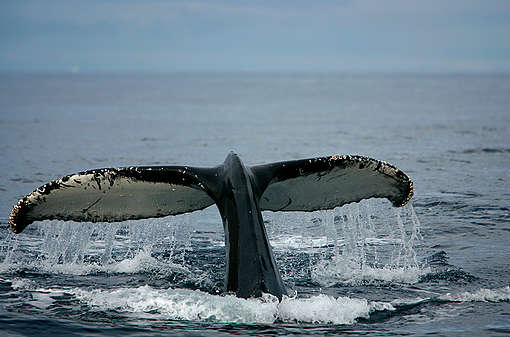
<point>328,35</point>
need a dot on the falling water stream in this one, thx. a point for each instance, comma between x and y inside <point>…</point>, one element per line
<point>344,244</point>
<point>367,242</point>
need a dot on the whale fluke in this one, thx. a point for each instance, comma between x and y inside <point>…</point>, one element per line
<point>114,194</point>
<point>329,182</point>
<point>240,192</point>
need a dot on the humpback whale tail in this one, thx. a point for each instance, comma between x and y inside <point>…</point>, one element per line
<point>240,193</point>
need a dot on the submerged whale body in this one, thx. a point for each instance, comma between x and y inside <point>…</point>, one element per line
<point>240,193</point>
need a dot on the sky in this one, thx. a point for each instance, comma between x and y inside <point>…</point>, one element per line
<point>241,35</point>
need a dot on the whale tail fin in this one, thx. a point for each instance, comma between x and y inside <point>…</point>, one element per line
<point>110,195</point>
<point>329,182</point>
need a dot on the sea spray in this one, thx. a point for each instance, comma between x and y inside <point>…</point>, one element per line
<point>370,241</point>
<point>146,302</point>
<point>49,245</point>
<point>181,304</point>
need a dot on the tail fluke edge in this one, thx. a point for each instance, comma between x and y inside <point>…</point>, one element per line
<point>329,182</point>
<point>111,195</point>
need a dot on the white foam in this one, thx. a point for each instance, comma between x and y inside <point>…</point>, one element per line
<point>68,268</point>
<point>182,304</point>
<point>285,242</point>
<point>22,284</point>
<point>191,305</point>
<point>41,298</point>
<point>45,266</point>
<point>327,309</point>
<point>341,270</point>
<point>480,295</point>
<point>142,261</point>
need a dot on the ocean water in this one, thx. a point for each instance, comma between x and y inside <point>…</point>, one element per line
<point>438,266</point>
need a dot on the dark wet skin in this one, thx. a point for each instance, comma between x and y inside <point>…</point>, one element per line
<point>251,268</point>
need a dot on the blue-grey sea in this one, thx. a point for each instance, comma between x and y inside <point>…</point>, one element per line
<point>438,266</point>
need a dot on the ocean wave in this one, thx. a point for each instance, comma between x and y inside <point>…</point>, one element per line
<point>339,271</point>
<point>195,305</point>
<point>480,295</point>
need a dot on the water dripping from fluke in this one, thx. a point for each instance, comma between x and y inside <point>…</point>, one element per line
<point>361,243</point>
<point>366,243</point>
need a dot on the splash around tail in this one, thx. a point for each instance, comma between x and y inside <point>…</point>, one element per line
<point>240,193</point>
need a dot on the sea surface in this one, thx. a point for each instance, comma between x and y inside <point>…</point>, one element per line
<point>438,266</point>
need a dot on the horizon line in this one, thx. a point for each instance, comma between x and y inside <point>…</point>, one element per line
<point>255,72</point>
